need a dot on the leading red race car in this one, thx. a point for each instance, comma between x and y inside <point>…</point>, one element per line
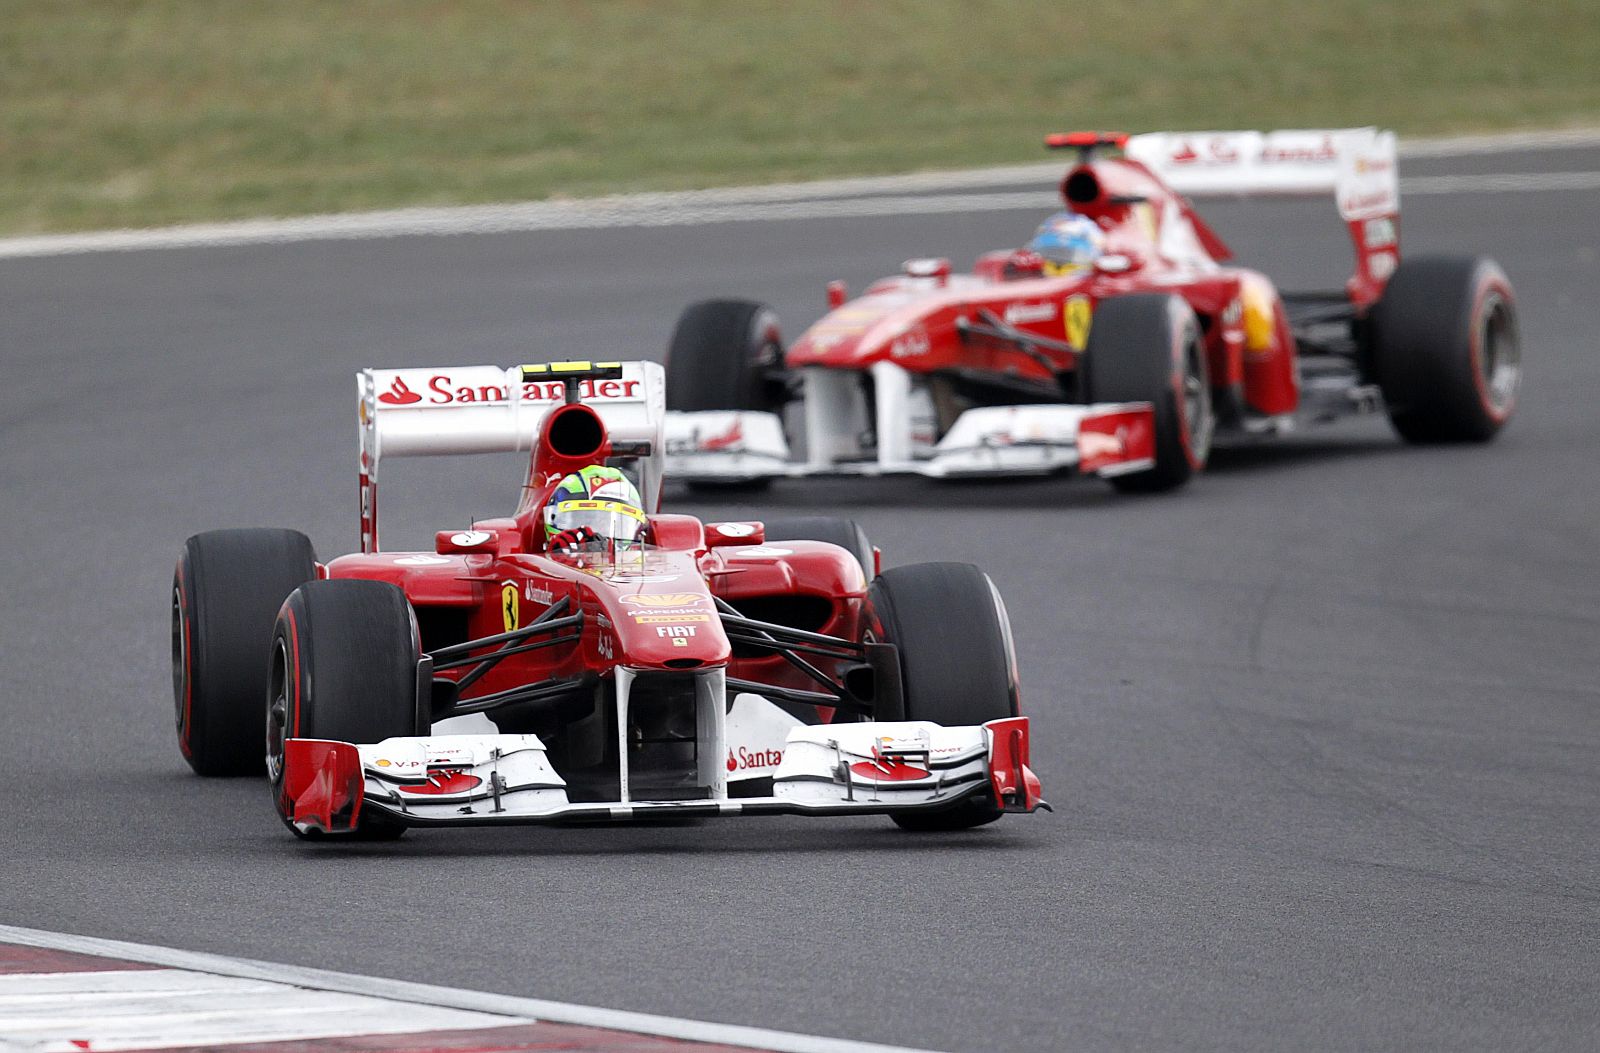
<point>625,666</point>
<point>1119,355</point>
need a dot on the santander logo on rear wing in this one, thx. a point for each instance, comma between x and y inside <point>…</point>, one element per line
<point>433,411</point>
<point>430,389</point>
<point>1358,166</point>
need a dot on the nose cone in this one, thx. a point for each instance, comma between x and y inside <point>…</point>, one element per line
<point>675,627</point>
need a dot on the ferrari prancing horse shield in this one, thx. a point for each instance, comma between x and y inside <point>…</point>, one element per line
<point>508,604</point>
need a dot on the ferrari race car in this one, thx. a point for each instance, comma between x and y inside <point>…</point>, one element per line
<point>656,667</point>
<point>1121,359</point>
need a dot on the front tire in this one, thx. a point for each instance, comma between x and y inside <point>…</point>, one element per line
<point>1146,348</point>
<point>344,667</point>
<point>726,355</point>
<point>1446,352</point>
<point>846,533</point>
<point>226,592</point>
<point>957,661</point>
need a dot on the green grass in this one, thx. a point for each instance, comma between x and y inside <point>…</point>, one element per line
<point>135,114</point>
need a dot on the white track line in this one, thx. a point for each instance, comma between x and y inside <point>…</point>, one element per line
<point>161,1008</point>
<point>925,193</point>
<point>444,997</point>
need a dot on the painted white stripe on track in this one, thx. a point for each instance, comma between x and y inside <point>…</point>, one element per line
<point>924,193</point>
<point>509,1009</point>
<point>144,1009</point>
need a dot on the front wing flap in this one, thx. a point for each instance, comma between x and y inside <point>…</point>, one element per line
<point>466,780</point>
<point>1104,439</point>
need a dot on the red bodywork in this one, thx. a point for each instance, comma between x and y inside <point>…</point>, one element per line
<point>653,610</point>
<point>1154,242</point>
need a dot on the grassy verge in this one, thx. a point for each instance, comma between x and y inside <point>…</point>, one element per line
<point>140,113</point>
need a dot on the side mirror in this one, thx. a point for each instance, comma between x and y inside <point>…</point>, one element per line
<point>462,542</point>
<point>719,535</point>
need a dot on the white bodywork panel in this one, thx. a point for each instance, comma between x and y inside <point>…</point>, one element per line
<point>447,776</point>
<point>899,761</point>
<point>1356,165</point>
<point>757,734</point>
<point>741,445</point>
<point>433,411</point>
<point>870,766</point>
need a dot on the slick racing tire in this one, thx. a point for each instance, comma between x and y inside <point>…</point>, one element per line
<point>226,591</point>
<point>723,356</point>
<point>846,533</point>
<point>344,667</point>
<point>957,662</point>
<point>1445,350</point>
<point>726,355</point>
<point>1146,348</point>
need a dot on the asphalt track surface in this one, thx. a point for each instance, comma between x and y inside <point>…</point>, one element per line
<point>1320,731</point>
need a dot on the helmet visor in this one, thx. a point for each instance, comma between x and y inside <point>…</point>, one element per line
<point>612,520</point>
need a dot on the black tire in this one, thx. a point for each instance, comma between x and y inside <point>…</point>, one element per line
<point>957,662</point>
<point>724,356</point>
<point>226,592</point>
<point>1445,349</point>
<point>344,667</point>
<point>1146,348</point>
<point>846,533</point>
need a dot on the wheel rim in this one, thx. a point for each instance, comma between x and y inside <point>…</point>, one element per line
<point>180,657</point>
<point>1197,406</point>
<point>1499,356</point>
<point>277,710</point>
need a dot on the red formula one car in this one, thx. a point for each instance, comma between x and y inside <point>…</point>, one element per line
<point>626,666</point>
<point>1121,354</point>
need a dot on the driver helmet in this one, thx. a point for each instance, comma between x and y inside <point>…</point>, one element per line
<point>1067,243</point>
<point>596,504</point>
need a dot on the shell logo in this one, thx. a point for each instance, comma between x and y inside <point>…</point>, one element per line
<point>664,599</point>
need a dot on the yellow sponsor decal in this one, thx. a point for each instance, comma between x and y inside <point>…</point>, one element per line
<point>601,506</point>
<point>509,605</point>
<point>1145,214</point>
<point>650,619</point>
<point>568,367</point>
<point>665,599</point>
<point>1077,312</point>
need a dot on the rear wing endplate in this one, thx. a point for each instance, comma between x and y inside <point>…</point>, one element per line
<point>425,412</point>
<point>1358,166</point>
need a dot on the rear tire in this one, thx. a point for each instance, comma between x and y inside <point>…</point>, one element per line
<point>726,355</point>
<point>344,667</point>
<point>1445,349</point>
<point>226,592</point>
<point>957,662</point>
<point>1146,347</point>
<point>846,533</point>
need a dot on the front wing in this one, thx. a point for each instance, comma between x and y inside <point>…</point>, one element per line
<point>475,780</point>
<point>1106,439</point>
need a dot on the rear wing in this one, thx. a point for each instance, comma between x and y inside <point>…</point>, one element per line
<point>1356,165</point>
<point>426,412</point>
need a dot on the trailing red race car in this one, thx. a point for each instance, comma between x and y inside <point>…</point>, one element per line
<point>583,659</point>
<point>1117,343</point>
